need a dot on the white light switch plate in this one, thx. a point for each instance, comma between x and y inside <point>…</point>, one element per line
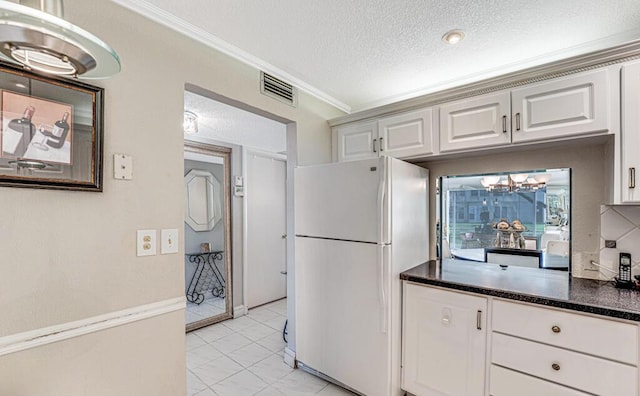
<point>122,167</point>
<point>169,241</point>
<point>146,242</point>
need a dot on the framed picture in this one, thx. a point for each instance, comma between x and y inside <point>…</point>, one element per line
<point>50,131</point>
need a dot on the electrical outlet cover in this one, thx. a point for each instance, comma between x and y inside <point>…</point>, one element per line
<point>169,241</point>
<point>146,242</point>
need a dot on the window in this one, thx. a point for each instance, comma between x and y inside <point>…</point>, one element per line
<point>473,205</point>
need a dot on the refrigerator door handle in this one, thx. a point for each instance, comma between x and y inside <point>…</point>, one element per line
<point>382,298</point>
<point>382,190</point>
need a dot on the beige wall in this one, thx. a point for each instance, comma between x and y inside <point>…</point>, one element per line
<point>67,256</point>
<point>587,163</point>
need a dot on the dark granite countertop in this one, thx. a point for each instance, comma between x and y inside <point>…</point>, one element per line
<point>533,285</point>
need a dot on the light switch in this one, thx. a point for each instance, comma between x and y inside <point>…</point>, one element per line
<point>122,167</point>
<point>238,186</point>
<point>146,242</point>
<point>169,241</point>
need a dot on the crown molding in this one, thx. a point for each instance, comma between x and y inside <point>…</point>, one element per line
<point>576,64</point>
<point>179,25</point>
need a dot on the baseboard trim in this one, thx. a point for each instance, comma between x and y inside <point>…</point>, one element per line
<point>47,335</point>
<point>239,311</point>
<point>290,357</point>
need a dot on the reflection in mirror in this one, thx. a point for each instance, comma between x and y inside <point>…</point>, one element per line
<point>207,236</point>
<point>516,218</point>
<point>203,207</point>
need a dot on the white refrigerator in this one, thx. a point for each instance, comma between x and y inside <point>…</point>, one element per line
<point>358,225</point>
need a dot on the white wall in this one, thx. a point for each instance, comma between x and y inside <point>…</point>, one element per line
<point>68,256</point>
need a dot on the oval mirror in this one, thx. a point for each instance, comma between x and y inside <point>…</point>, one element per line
<point>203,207</point>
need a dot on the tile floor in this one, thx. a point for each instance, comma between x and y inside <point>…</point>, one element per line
<point>209,307</point>
<point>244,356</point>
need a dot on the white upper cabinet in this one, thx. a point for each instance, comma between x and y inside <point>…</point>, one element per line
<point>482,121</point>
<point>562,108</point>
<point>407,134</point>
<point>357,141</point>
<point>567,106</point>
<point>400,136</point>
<point>579,104</point>
<point>630,134</point>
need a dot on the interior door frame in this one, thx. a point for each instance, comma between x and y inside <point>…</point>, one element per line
<point>225,154</point>
<point>245,219</point>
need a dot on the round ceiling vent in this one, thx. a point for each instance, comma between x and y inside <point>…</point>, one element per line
<point>46,43</point>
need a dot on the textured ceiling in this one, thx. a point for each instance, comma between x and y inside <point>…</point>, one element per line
<point>221,122</point>
<point>365,53</point>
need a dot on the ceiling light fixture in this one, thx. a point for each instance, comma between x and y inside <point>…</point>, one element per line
<point>519,182</point>
<point>34,34</point>
<point>453,36</point>
<point>190,124</point>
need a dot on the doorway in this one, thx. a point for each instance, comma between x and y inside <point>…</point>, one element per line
<point>207,235</point>
<point>265,227</point>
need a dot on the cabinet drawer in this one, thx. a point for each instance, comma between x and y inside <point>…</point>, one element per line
<point>600,337</point>
<point>577,370</point>
<point>505,382</point>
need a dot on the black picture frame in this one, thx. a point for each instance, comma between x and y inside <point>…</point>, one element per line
<point>51,131</point>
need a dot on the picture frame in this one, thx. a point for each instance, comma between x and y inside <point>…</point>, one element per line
<point>51,131</point>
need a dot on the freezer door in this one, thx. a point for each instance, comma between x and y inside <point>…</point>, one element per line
<point>340,200</point>
<point>342,313</point>
<point>409,214</point>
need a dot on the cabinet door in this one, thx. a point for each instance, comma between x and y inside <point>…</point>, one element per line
<point>561,107</point>
<point>357,141</point>
<point>408,134</point>
<point>482,121</point>
<point>444,342</point>
<point>630,134</point>
<point>505,382</point>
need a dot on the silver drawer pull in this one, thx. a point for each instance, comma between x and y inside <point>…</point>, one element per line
<point>555,366</point>
<point>555,329</point>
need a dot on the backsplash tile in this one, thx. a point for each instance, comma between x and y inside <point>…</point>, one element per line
<point>622,224</point>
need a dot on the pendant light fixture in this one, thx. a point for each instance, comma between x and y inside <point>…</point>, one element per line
<point>190,124</point>
<point>34,34</point>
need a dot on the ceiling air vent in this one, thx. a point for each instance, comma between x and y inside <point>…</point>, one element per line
<point>278,89</point>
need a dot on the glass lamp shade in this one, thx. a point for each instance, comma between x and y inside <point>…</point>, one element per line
<point>46,43</point>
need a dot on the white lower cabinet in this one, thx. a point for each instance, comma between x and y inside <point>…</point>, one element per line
<point>573,369</point>
<point>444,342</point>
<point>505,382</point>
<point>567,352</point>
<point>529,349</point>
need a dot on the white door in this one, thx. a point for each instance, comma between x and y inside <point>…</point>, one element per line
<point>630,136</point>
<point>357,141</point>
<point>573,105</point>
<point>408,134</point>
<point>340,200</point>
<point>342,299</point>
<point>265,228</point>
<point>444,342</point>
<point>482,121</point>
